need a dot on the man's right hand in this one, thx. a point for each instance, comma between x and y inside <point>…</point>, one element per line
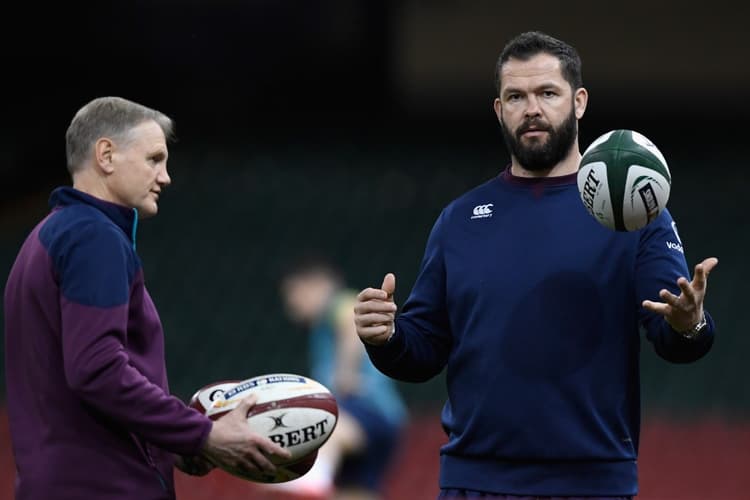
<point>375,312</point>
<point>232,444</point>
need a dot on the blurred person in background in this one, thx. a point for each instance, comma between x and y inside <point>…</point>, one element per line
<point>90,412</point>
<point>535,308</point>
<point>352,464</point>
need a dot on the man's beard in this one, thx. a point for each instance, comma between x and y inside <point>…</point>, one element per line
<point>539,156</point>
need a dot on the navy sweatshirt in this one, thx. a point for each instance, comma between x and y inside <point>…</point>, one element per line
<point>535,309</point>
<point>88,400</point>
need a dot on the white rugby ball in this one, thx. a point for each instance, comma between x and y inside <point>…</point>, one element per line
<point>296,412</point>
<point>624,180</point>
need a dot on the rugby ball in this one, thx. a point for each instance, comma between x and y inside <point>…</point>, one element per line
<point>295,412</point>
<point>623,180</point>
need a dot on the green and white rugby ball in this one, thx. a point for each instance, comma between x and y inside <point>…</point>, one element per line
<point>624,180</point>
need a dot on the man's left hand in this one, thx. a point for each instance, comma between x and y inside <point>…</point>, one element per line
<point>684,312</point>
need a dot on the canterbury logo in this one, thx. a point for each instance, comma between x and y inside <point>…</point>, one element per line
<point>482,211</point>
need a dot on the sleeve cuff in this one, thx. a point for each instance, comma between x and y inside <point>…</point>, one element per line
<point>390,351</point>
<point>708,331</point>
<point>203,437</point>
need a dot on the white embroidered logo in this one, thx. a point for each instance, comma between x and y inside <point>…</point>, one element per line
<point>675,245</point>
<point>674,228</point>
<point>678,245</point>
<point>482,211</point>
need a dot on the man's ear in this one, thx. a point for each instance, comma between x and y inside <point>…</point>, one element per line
<point>103,151</point>
<point>580,100</point>
<point>498,107</point>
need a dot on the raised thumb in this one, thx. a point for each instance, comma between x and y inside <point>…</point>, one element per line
<point>389,285</point>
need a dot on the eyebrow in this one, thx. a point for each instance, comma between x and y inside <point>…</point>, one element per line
<point>543,86</point>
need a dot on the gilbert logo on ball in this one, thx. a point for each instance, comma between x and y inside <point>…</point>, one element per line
<point>624,180</point>
<point>295,412</point>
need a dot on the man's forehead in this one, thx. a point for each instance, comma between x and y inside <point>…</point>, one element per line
<point>540,66</point>
<point>149,129</point>
<point>149,134</point>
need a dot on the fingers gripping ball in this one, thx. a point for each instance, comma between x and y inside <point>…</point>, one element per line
<point>624,180</point>
<point>295,412</point>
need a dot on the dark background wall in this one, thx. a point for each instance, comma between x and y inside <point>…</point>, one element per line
<point>244,72</point>
<point>346,125</point>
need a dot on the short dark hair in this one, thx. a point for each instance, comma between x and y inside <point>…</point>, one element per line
<point>311,262</point>
<point>531,43</point>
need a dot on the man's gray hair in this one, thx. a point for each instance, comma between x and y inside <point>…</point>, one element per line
<point>112,117</point>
